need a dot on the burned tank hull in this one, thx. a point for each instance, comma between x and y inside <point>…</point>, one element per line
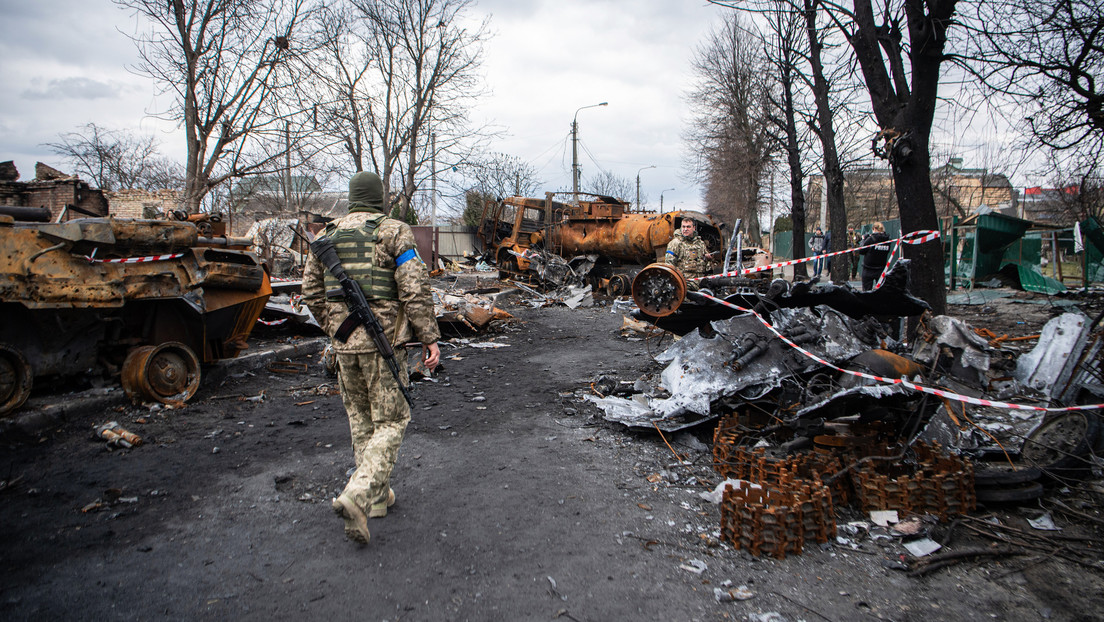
<point>77,298</point>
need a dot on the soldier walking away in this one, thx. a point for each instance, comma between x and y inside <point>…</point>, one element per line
<point>688,253</point>
<point>380,255</point>
<point>874,259</point>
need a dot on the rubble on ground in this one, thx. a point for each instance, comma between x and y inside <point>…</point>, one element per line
<point>821,409</point>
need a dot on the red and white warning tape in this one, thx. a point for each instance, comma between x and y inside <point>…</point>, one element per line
<point>901,381</point>
<point>916,237</point>
<point>92,258</point>
<point>273,322</point>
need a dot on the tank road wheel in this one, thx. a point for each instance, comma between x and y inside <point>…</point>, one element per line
<point>619,285</point>
<point>15,380</point>
<point>165,373</point>
<point>659,290</point>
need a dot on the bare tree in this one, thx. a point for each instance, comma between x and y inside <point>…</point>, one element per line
<point>499,175</point>
<point>1049,56</point>
<point>783,53</point>
<point>610,184</point>
<point>902,77</point>
<point>394,79</point>
<point>1077,188</point>
<point>117,159</point>
<point>825,129</point>
<point>731,124</point>
<point>219,58</point>
<point>492,177</point>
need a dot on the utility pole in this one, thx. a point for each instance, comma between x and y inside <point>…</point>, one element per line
<point>287,166</point>
<point>433,178</point>
<point>575,151</point>
<point>638,185</point>
<point>661,199</point>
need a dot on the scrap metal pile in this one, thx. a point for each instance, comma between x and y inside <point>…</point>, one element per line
<point>820,407</point>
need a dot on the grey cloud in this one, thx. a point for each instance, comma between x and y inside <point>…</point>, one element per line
<point>73,88</point>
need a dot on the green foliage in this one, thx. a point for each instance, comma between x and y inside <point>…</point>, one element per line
<point>473,207</point>
<point>783,223</point>
<point>411,216</point>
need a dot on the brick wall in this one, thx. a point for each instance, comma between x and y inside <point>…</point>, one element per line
<point>54,195</point>
<point>143,203</point>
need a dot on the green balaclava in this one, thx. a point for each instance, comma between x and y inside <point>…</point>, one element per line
<point>365,193</point>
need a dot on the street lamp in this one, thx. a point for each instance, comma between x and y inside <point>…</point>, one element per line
<point>575,151</point>
<point>638,185</point>
<point>661,199</point>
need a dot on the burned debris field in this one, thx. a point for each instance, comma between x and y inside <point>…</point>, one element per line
<point>534,483</point>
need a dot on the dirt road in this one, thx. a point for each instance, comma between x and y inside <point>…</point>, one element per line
<point>515,502</point>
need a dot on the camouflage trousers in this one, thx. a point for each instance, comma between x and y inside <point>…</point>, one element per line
<point>378,416</point>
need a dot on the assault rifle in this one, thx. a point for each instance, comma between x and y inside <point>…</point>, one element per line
<point>360,314</point>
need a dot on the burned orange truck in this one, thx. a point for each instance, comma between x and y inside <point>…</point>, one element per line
<point>603,238</point>
<point>145,301</point>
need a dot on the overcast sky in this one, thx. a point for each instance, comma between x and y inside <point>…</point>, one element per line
<point>63,63</point>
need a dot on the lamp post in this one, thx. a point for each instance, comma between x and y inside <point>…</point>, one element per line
<point>638,185</point>
<point>661,199</point>
<point>575,151</point>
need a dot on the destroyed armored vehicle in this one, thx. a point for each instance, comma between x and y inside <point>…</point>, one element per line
<point>602,239</point>
<point>148,301</point>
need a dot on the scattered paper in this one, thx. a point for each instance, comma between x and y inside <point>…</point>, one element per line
<point>922,547</point>
<point>883,518</point>
<point>695,566</point>
<point>1043,523</point>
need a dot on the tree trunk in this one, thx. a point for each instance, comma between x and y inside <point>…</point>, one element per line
<point>833,174</point>
<point>912,179</point>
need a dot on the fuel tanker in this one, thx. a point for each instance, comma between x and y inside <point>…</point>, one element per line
<point>604,236</point>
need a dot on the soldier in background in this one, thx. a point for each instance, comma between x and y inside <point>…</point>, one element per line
<point>380,254</point>
<point>853,239</point>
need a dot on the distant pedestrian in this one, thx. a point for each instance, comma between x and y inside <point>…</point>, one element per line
<point>874,259</point>
<point>817,244</point>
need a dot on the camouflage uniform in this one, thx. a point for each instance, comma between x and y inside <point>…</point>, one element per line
<point>688,254</point>
<point>378,413</point>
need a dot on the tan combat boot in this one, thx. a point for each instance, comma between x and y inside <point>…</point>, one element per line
<point>379,508</point>
<point>356,523</point>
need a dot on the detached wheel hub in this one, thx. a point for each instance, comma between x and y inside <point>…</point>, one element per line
<point>165,373</point>
<point>659,290</point>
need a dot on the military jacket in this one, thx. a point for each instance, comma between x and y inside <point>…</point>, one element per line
<point>688,255</point>
<point>409,317</point>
